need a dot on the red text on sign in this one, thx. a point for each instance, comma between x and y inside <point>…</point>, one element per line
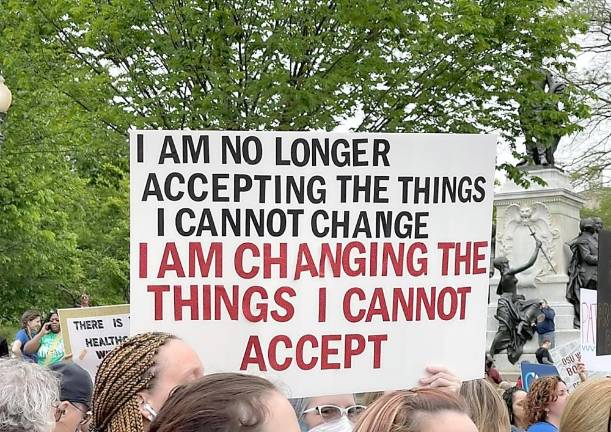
<point>282,352</point>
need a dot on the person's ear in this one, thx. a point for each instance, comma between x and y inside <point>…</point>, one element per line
<point>144,407</point>
<point>60,410</point>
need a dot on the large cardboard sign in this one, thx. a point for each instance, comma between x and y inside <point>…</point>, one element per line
<point>330,263</point>
<point>592,361</point>
<point>603,316</point>
<point>565,359</point>
<point>533,371</point>
<point>91,333</point>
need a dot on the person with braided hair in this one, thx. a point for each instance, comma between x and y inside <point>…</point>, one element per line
<point>135,379</point>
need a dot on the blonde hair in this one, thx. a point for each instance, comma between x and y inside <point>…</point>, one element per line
<point>488,411</point>
<point>125,371</point>
<point>588,408</point>
<point>402,410</point>
<point>371,397</point>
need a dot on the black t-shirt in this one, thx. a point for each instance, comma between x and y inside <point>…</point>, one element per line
<point>543,356</point>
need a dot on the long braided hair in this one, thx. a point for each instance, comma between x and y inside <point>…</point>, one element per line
<point>125,371</point>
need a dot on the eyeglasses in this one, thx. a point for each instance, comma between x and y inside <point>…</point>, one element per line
<point>86,414</point>
<point>84,420</point>
<point>332,412</point>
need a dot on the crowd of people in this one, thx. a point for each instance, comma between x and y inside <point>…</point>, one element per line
<point>155,382</point>
<point>37,341</point>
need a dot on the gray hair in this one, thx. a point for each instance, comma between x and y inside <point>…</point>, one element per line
<point>27,395</point>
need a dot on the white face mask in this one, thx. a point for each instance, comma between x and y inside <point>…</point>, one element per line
<point>342,424</point>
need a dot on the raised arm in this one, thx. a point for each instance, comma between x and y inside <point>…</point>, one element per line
<point>33,344</point>
<point>549,313</point>
<point>530,262</point>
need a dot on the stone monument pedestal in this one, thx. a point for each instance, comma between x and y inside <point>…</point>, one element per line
<point>552,213</point>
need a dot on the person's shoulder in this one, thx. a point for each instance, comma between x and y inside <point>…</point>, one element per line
<point>21,335</point>
<point>542,427</point>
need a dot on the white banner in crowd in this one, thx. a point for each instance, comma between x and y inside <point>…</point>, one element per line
<point>588,334</point>
<point>91,333</point>
<point>327,262</point>
<point>565,359</point>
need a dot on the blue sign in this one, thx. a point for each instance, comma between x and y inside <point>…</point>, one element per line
<point>532,371</point>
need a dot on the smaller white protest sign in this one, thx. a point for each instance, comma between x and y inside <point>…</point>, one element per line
<point>90,333</point>
<point>565,359</point>
<point>588,334</point>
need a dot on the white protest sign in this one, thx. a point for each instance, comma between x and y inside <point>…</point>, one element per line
<point>565,359</point>
<point>330,263</point>
<point>588,334</point>
<point>91,332</point>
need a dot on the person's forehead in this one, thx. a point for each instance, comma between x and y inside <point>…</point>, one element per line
<point>447,421</point>
<point>519,395</point>
<point>282,416</point>
<point>342,400</point>
<point>177,358</point>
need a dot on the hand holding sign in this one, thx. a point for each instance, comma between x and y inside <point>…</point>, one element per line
<point>441,378</point>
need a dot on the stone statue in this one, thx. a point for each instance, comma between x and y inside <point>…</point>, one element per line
<point>583,268</point>
<point>520,225</point>
<point>492,250</point>
<point>515,314</point>
<point>538,125</point>
<point>598,226</point>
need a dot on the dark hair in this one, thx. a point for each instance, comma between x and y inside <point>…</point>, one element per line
<point>28,316</point>
<point>50,314</point>
<point>508,398</point>
<point>489,361</point>
<point>223,402</point>
<point>4,352</point>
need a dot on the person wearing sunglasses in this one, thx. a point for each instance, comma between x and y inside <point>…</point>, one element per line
<point>73,412</point>
<point>336,413</point>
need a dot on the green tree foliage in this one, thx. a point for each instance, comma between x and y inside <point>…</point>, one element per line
<point>598,205</point>
<point>85,71</point>
<point>591,157</point>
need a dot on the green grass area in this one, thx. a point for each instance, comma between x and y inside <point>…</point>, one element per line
<point>8,332</point>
